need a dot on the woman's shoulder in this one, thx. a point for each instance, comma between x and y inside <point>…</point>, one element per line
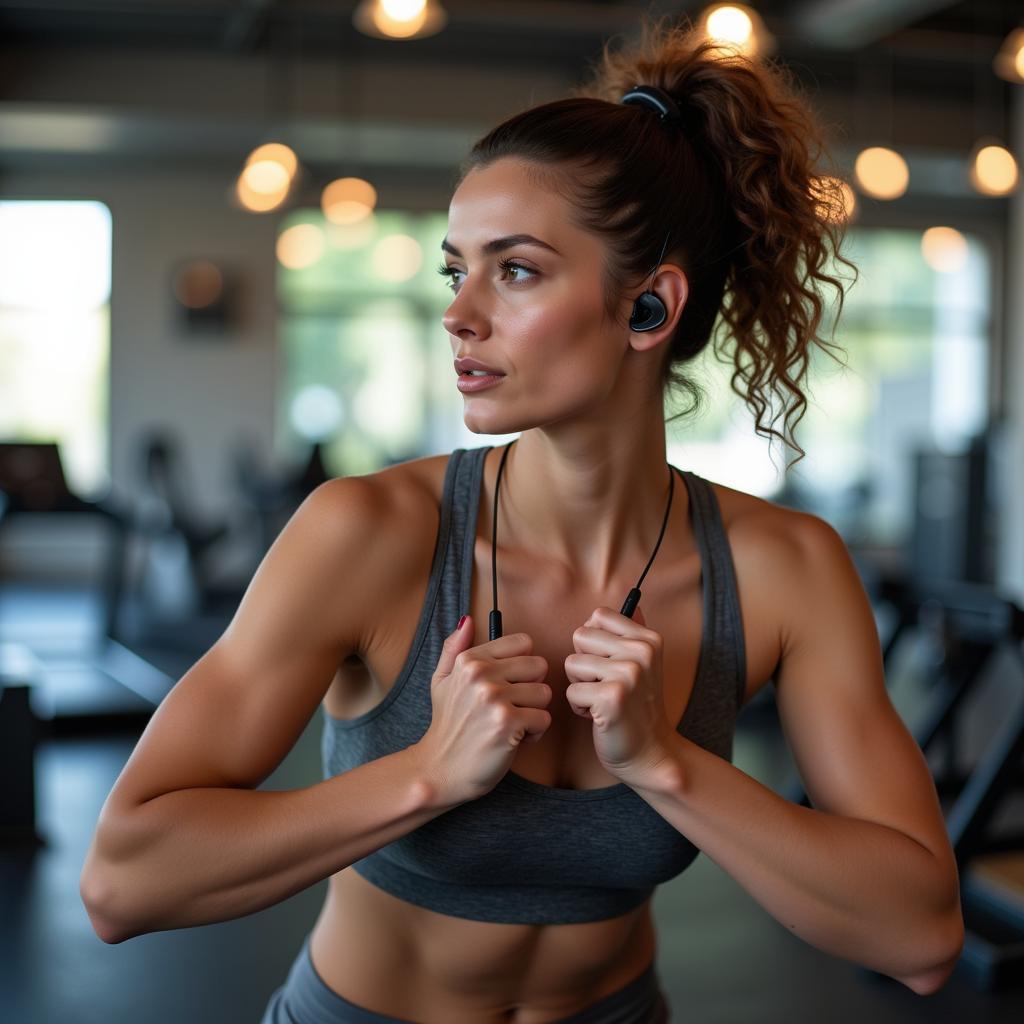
<point>752,520</point>
<point>404,502</point>
<point>395,487</point>
<point>386,520</point>
<point>768,540</point>
<point>414,482</point>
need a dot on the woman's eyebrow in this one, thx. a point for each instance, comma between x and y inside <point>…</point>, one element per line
<point>500,244</point>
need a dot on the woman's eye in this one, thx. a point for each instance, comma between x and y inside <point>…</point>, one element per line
<point>445,271</point>
<point>510,265</point>
<point>507,266</point>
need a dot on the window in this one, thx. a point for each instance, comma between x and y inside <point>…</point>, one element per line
<point>55,332</point>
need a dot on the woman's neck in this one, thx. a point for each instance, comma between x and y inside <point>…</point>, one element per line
<point>597,508</point>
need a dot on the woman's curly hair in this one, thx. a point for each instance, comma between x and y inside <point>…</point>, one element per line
<point>752,219</point>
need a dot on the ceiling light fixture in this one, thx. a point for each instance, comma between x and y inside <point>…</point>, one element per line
<point>737,26</point>
<point>1008,63</point>
<point>399,19</point>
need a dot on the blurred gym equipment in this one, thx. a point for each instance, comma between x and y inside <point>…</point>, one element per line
<point>53,681</point>
<point>32,482</point>
<point>170,511</point>
<point>273,496</point>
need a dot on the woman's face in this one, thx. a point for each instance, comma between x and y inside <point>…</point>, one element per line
<point>533,310</point>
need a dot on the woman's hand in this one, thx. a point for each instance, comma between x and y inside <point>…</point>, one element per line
<point>615,679</point>
<point>486,700</point>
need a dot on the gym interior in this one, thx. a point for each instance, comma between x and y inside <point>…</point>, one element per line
<point>217,221</point>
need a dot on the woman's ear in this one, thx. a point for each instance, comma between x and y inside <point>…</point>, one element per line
<point>672,288</point>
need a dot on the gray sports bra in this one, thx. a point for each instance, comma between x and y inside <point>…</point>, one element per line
<point>526,853</point>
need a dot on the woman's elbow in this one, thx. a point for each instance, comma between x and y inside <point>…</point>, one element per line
<point>106,931</point>
<point>96,897</point>
<point>929,981</point>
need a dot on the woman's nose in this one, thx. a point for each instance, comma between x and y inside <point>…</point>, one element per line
<point>465,313</point>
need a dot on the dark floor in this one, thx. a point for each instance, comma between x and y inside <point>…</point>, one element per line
<point>721,957</point>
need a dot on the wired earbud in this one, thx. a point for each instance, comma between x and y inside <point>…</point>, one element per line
<point>648,310</point>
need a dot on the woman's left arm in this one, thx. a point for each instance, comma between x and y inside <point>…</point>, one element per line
<point>868,874</point>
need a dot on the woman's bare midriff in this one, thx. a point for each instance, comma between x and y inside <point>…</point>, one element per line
<point>407,961</point>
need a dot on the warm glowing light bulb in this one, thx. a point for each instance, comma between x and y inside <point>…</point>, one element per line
<point>403,10</point>
<point>396,258</point>
<point>944,249</point>
<point>348,200</point>
<point>730,25</point>
<point>258,202</point>
<point>1008,63</point>
<point>849,200</point>
<point>881,173</point>
<point>300,246</point>
<point>276,152</point>
<point>267,177</point>
<point>399,18</point>
<point>737,28</point>
<point>994,170</point>
<point>834,198</point>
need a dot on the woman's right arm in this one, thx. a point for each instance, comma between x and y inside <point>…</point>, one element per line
<point>185,838</point>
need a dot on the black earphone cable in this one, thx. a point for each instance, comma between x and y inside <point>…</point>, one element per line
<point>494,621</point>
<point>632,599</point>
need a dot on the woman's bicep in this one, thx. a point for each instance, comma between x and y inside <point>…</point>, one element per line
<point>234,716</point>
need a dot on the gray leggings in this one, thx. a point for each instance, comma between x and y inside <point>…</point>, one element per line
<point>305,998</point>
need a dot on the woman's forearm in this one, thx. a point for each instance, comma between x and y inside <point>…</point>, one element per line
<point>196,856</point>
<point>853,888</point>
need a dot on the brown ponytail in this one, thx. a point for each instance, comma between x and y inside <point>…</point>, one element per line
<point>737,187</point>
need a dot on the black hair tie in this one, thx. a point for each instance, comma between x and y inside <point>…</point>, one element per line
<point>656,99</point>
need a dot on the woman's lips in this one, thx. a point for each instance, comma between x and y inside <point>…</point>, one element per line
<point>475,382</point>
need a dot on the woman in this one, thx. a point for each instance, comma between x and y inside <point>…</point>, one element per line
<point>498,809</point>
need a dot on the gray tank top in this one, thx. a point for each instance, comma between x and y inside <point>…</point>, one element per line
<point>526,853</point>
